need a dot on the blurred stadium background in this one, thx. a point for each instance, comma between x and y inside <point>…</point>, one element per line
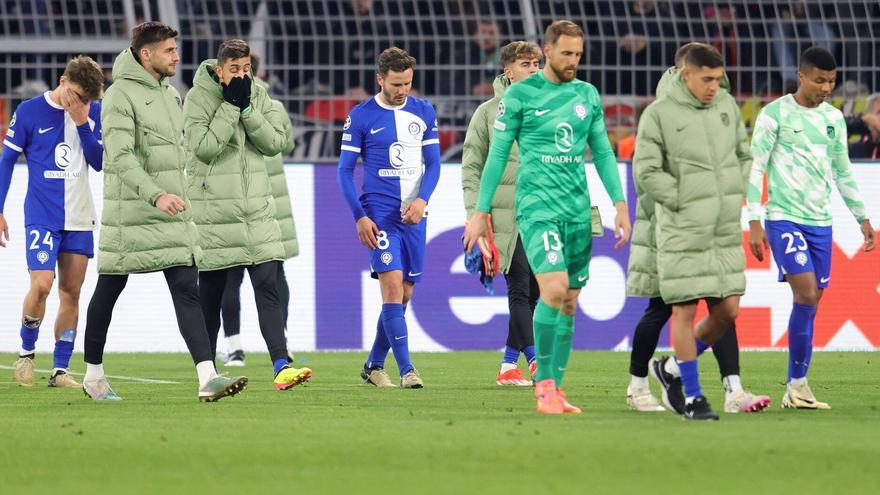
<point>319,54</point>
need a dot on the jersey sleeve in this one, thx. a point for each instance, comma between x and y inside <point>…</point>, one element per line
<point>90,138</point>
<point>603,154</point>
<point>430,154</point>
<point>841,170</point>
<point>508,122</point>
<point>16,140</point>
<point>352,140</point>
<point>18,134</point>
<point>763,141</point>
<point>352,135</point>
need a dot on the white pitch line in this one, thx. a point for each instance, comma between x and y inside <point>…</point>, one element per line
<point>115,377</point>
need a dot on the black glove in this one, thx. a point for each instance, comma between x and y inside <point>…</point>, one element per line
<point>238,92</point>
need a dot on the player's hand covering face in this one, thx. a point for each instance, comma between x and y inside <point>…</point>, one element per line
<point>75,104</point>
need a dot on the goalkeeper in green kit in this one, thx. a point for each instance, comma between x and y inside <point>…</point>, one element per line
<point>553,116</point>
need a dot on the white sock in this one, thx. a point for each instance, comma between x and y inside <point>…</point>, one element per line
<point>507,367</point>
<point>638,382</point>
<point>797,382</point>
<point>732,384</point>
<point>234,343</point>
<point>206,371</point>
<point>672,367</point>
<point>24,352</point>
<point>93,372</point>
<point>689,400</point>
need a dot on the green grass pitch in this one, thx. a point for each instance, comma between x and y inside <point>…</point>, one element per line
<point>461,434</point>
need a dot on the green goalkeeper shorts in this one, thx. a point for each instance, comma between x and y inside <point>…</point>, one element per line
<point>553,246</point>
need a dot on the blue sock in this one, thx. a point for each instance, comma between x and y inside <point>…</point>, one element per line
<point>380,348</point>
<point>29,337</point>
<point>690,378</point>
<point>64,349</point>
<point>279,364</point>
<point>395,329</point>
<point>511,355</point>
<point>800,344</point>
<point>529,352</point>
<point>701,347</point>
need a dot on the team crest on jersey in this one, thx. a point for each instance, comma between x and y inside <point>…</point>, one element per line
<point>552,257</point>
<point>581,111</point>
<point>43,257</point>
<point>12,122</point>
<point>830,131</point>
<point>501,109</point>
<point>801,258</point>
<point>387,258</point>
<point>347,123</point>
<point>414,128</point>
<point>725,119</point>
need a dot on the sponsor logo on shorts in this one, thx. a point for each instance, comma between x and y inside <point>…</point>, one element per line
<point>552,257</point>
<point>43,257</point>
<point>387,258</point>
<point>800,259</point>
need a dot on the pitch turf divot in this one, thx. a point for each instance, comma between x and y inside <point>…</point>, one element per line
<point>114,377</point>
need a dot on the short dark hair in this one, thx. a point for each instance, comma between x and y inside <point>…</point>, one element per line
<point>683,50</point>
<point>819,58</point>
<point>255,64</point>
<point>395,59</point>
<point>703,56</point>
<point>516,50</point>
<point>87,74</point>
<point>231,50</point>
<point>559,28</point>
<point>149,33</point>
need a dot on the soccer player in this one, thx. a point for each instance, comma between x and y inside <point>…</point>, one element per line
<point>553,117</point>
<point>642,282</point>
<point>520,60</point>
<point>231,306</point>
<point>692,158</point>
<point>60,134</point>
<point>396,137</point>
<point>231,128</point>
<point>800,141</point>
<point>146,225</point>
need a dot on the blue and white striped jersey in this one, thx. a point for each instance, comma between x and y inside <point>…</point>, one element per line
<point>58,154</point>
<point>400,150</point>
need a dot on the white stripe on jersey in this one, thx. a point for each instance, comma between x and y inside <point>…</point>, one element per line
<point>79,210</point>
<point>346,147</point>
<point>411,158</point>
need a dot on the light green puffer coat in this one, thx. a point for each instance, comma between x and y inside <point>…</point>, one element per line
<point>693,160</point>
<point>641,280</point>
<point>278,180</point>
<point>229,186</point>
<point>144,158</point>
<point>477,142</point>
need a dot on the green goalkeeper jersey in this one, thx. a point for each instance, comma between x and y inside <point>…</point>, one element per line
<point>553,124</point>
<point>802,150</point>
